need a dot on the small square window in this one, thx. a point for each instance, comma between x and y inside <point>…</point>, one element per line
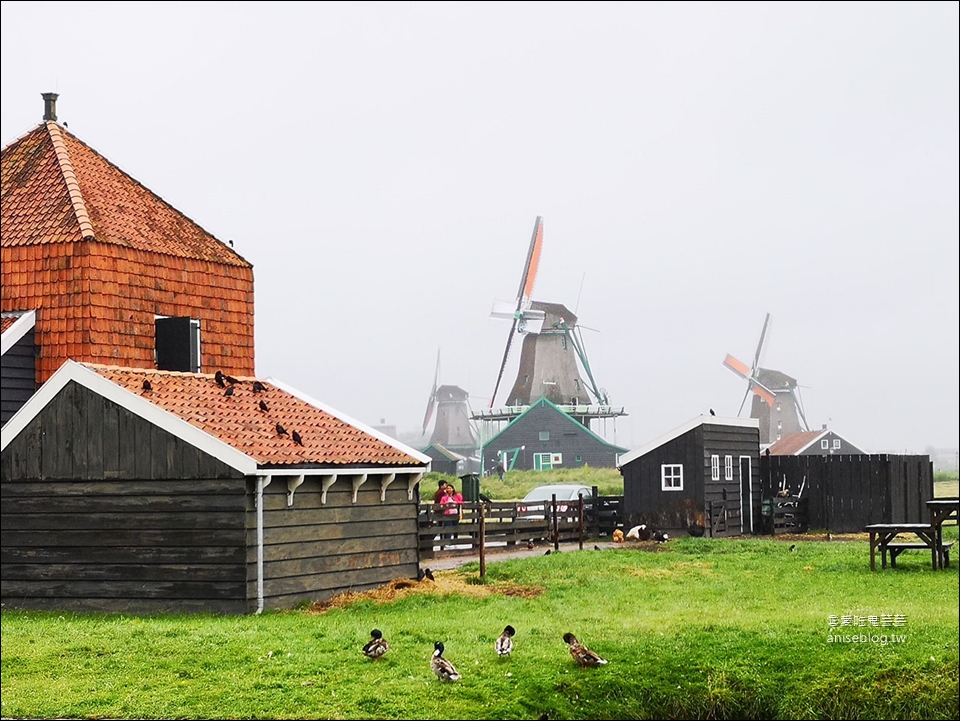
<point>836,443</point>
<point>544,435</point>
<point>671,477</point>
<point>824,444</point>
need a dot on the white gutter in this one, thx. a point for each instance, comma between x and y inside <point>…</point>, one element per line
<point>262,482</point>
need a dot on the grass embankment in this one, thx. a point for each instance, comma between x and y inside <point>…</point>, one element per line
<point>695,628</point>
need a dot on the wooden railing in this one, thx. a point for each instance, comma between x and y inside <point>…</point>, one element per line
<point>508,524</point>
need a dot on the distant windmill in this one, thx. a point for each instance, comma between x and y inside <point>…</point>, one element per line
<point>551,348</point>
<point>453,429</point>
<point>776,396</point>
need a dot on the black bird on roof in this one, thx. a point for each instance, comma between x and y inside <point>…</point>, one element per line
<point>712,412</point>
<point>297,439</point>
<point>264,407</point>
<point>258,386</point>
<point>281,431</point>
<point>147,386</point>
<point>231,380</point>
<point>218,377</point>
<point>229,391</point>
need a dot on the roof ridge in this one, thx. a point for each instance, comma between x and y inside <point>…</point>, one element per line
<point>70,178</point>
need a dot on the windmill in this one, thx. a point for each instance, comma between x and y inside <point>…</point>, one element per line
<point>453,428</point>
<point>776,396</point>
<point>551,348</point>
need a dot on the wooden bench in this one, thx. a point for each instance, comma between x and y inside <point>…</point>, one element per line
<point>897,548</point>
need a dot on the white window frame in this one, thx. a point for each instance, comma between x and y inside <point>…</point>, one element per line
<point>825,444</point>
<point>542,461</point>
<point>836,444</point>
<point>728,468</point>
<point>714,467</point>
<point>672,473</point>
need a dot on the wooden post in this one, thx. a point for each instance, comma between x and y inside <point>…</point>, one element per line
<point>483,541</point>
<point>580,524</point>
<point>556,528</point>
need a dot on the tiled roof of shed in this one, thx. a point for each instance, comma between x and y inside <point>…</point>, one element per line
<point>7,321</point>
<point>792,443</point>
<point>57,189</point>
<point>238,421</point>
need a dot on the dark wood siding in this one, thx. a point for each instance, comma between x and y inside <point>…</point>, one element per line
<point>846,493</point>
<point>80,435</point>
<point>567,436</point>
<point>313,551</point>
<point>124,546</point>
<point>644,501</point>
<point>18,377</point>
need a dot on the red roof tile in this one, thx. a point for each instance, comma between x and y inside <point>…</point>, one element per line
<point>792,443</point>
<point>238,421</point>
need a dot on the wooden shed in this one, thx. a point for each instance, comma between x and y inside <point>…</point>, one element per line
<point>545,437</point>
<point>144,491</point>
<point>825,442</point>
<point>706,472</point>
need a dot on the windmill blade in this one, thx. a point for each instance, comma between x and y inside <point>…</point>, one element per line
<point>745,396</point>
<point>433,396</point>
<point>763,333</point>
<point>737,366</point>
<point>527,280</point>
<point>765,393</point>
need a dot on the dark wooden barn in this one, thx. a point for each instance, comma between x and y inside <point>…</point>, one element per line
<point>18,370</point>
<point>704,473</point>
<point>443,460</point>
<point>544,437</point>
<point>844,493</point>
<point>144,491</point>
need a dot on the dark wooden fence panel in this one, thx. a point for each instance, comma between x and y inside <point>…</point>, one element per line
<point>845,493</point>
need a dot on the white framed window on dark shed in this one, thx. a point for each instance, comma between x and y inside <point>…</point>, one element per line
<point>824,444</point>
<point>177,344</point>
<point>671,477</point>
<point>728,468</point>
<point>714,467</point>
<point>836,444</point>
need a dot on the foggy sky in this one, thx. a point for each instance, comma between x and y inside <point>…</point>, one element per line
<point>696,166</point>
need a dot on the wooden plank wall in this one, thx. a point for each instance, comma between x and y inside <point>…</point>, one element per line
<point>124,546</point>
<point>314,551</point>
<point>846,493</point>
<point>19,376</point>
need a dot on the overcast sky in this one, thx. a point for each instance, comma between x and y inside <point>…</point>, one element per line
<point>696,167</point>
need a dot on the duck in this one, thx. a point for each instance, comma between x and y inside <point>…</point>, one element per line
<point>376,646</point>
<point>617,536</point>
<point>635,532</point>
<point>661,537</point>
<point>442,667</point>
<point>581,654</point>
<point>504,644</point>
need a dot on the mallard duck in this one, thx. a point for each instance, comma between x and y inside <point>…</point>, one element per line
<point>376,646</point>
<point>504,644</point>
<point>583,655</point>
<point>442,667</point>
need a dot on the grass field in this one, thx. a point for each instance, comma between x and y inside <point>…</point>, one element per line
<point>695,628</point>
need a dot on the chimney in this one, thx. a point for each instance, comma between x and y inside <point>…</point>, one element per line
<point>50,106</point>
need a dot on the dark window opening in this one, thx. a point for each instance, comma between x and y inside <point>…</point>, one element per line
<point>178,344</point>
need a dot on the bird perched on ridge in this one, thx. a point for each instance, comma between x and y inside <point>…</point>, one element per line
<point>504,644</point>
<point>581,654</point>
<point>218,377</point>
<point>258,386</point>
<point>376,646</point>
<point>264,407</point>
<point>442,667</point>
<point>231,380</point>
<point>712,412</point>
<point>297,439</point>
<point>147,385</point>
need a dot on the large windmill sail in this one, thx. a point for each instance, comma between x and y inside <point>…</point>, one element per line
<point>526,319</point>
<point>432,402</point>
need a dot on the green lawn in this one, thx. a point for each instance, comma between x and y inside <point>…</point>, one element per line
<point>697,628</point>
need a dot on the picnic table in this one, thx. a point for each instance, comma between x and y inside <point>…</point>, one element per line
<point>883,535</point>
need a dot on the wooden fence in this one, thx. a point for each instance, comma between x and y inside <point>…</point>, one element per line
<point>508,524</point>
<point>846,493</point>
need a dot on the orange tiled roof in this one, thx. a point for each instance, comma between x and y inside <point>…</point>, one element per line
<point>57,189</point>
<point>7,321</point>
<point>238,421</point>
<point>793,442</point>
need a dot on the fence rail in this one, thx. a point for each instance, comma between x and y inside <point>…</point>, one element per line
<point>510,523</point>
